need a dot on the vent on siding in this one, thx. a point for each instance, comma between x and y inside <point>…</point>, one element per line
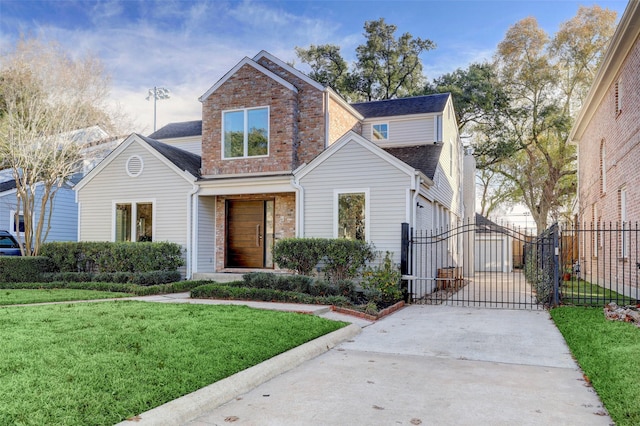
<point>134,166</point>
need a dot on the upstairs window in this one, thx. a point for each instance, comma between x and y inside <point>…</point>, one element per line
<point>380,132</point>
<point>618,97</point>
<point>245,133</point>
<point>603,168</point>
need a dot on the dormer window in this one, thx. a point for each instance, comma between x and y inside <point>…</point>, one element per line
<point>380,132</point>
<point>245,133</point>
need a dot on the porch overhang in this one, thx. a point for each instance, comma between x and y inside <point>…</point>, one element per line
<point>245,184</point>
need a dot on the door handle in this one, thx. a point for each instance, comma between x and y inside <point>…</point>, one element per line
<point>258,236</point>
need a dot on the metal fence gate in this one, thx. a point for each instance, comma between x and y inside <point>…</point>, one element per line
<point>485,264</point>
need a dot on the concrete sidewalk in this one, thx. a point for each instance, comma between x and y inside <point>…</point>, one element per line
<point>434,365</point>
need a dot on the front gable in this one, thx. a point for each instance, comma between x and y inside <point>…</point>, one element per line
<point>354,138</point>
<point>132,166</point>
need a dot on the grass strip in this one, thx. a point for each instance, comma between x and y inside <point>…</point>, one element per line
<point>19,297</point>
<point>100,363</point>
<point>608,352</point>
<point>583,293</point>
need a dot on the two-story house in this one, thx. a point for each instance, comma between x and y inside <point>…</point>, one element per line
<point>607,133</point>
<point>279,156</point>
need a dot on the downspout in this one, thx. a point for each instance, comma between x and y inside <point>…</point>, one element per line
<point>191,230</point>
<point>414,207</point>
<point>299,207</point>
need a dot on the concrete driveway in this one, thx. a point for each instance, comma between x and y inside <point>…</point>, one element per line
<point>431,365</point>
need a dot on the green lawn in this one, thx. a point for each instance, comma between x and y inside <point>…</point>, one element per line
<point>583,293</point>
<point>20,297</point>
<point>100,363</point>
<point>609,354</point>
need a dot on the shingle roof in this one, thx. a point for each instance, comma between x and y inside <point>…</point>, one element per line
<point>178,130</point>
<point>184,160</point>
<point>422,157</point>
<point>403,106</point>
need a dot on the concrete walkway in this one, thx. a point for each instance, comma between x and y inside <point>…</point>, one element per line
<point>431,365</point>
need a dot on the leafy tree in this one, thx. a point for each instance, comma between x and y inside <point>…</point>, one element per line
<point>477,95</point>
<point>387,66</point>
<point>44,97</point>
<point>545,79</point>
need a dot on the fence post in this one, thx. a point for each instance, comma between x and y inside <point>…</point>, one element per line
<point>404,252</point>
<point>556,266</point>
<point>404,260</point>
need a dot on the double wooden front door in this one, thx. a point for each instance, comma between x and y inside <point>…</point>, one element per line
<point>249,233</point>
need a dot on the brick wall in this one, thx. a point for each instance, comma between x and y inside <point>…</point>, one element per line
<point>245,89</point>
<point>311,121</point>
<point>341,121</point>
<point>620,135</point>
<point>284,226</point>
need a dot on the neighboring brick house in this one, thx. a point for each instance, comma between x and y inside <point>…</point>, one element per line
<point>281,156</point>
<point>607,132</point>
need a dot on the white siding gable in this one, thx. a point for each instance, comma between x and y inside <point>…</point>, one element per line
<point>168,189</point>
<point>351,166</point>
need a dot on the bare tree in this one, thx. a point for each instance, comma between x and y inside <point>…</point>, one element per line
<point>45,96</point>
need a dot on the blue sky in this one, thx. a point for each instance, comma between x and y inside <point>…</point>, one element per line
<point>187,45</point>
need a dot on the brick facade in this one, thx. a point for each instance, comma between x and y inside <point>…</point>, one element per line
<point>619,134</point>
<point>284,224</point>
<point>341,121</point>
<point>245,89</point>
<point>608,166</point>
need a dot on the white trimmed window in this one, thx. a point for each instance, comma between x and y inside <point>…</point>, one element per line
<point>623,221</point>
<point>437,128</point>
<point>618,97</point>
<point>351,214</point>
<point>133,221</point>
<point>245,133</point>
<point>16,222</point>
<point>380,132</point>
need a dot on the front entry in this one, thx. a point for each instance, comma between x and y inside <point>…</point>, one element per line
<point>249,231</point>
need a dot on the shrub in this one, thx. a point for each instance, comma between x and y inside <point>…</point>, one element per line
<point>299,254</point>
<point>223,291</point>
<point>114,257</point>
<point>133,289</point>
<point>298,283</point>
<point>382,282</point>
<point>140,278</point>
<point>344,258</point>
<point>22,269</point>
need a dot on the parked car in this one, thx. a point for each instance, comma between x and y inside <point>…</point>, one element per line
<point>8,245</point>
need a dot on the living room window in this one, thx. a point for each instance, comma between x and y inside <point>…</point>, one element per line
<point>351,214</point>
<point>245,133</point>
<point>380,132</point>
<point>134,221</point>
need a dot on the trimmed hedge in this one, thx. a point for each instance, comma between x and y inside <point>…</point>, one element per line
<point>92,256</point>
<point>133,289</point>
<point>19,269</point>
<point>299,254</point>
<point>140,278</point>
<point>341,258</point>
<point>233,292</point>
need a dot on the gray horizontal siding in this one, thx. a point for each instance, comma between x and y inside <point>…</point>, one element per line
<point>404,132</point>
<point>157,183</point>
<point>354,167</point>
<point>206,235</point>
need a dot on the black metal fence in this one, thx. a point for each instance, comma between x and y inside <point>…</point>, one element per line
<point>486,264</point>
<point>600,263</point>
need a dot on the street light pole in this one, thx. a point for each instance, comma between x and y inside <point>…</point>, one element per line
<point>157,93</point>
